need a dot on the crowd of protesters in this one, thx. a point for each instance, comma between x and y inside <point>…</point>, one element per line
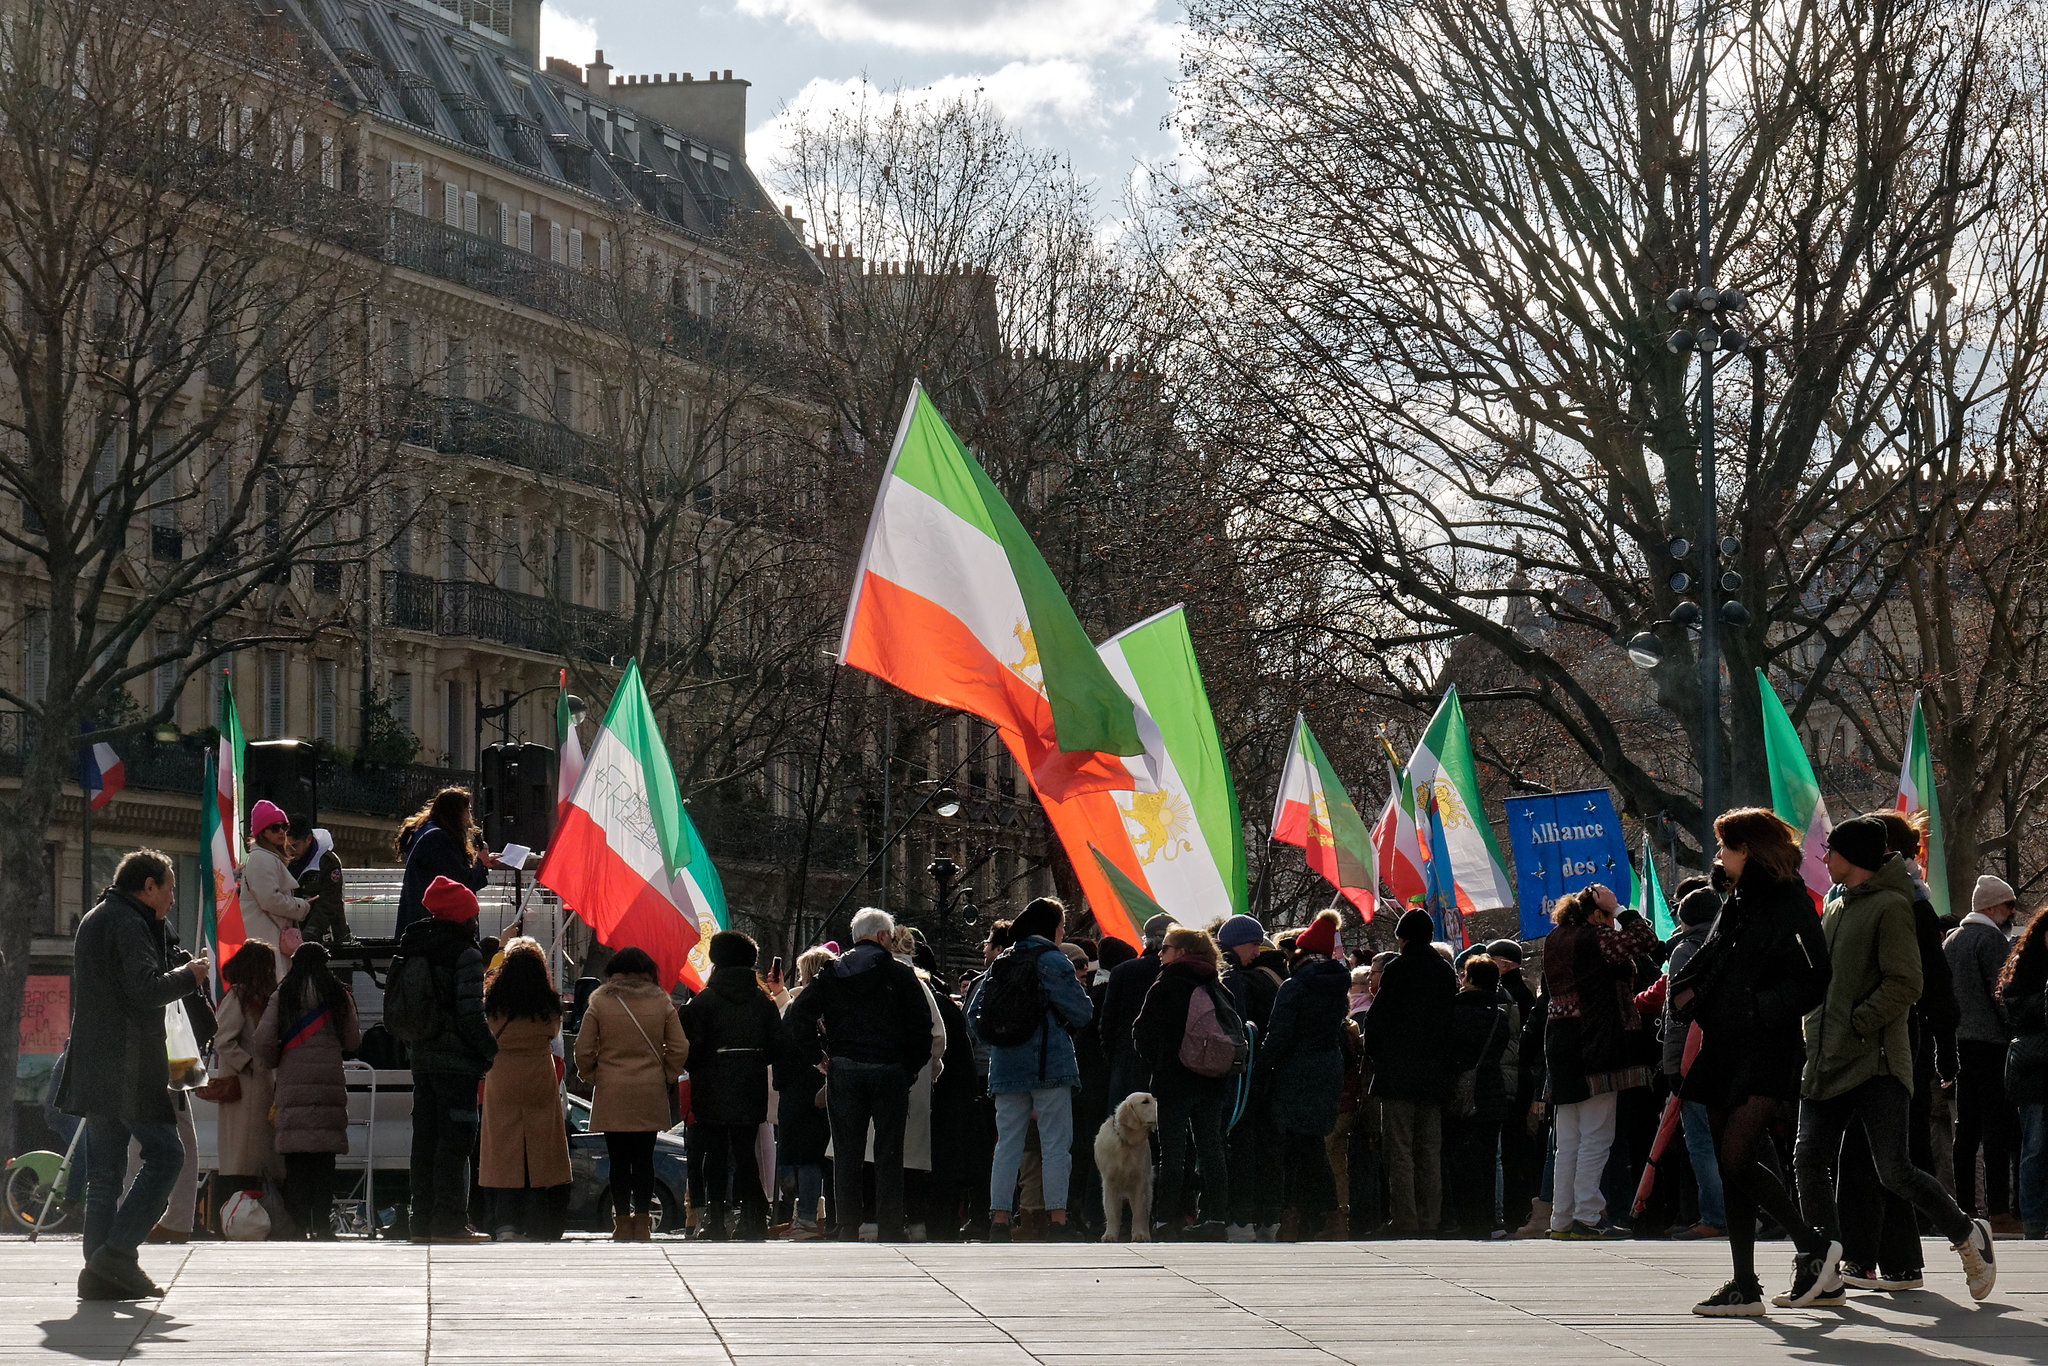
<point>1832,1071</point>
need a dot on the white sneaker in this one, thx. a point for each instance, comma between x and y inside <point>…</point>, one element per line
<point>1240,1233</point>
<point>1980,1262</point>
<point>1267,1233</point>
<point>869,1233</point>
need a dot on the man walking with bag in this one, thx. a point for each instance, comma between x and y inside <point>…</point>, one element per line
<point>117,1071</point>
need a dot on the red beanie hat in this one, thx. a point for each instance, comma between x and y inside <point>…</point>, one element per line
<point>1320,936</point>
<point>447,899</point>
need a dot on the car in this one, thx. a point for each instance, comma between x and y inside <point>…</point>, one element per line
<point>590,1174</point>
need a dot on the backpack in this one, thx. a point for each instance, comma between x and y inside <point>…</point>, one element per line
<point>412,1000</point>
<point>1012,1000</point>
<point>1214,1043</point>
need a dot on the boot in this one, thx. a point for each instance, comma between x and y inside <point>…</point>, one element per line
<point>643,1228</point>
<point>622,1228</point>
<point>713,1229</point>
<point>1290,1226</point>
<point>1539,1222</point>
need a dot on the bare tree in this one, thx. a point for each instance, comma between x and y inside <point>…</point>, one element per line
<point>1432,243</point>
<point>186,344</point>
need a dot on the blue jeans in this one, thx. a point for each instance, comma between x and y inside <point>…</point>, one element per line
<point>2034,1168</point>
<point>1706,1168</point>
<point>112,1220</point>
<point>1055,1108</point>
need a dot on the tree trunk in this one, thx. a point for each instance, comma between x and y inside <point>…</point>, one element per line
<point>23,823</point>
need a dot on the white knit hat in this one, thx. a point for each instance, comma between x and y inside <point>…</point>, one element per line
<point>1991,891</point>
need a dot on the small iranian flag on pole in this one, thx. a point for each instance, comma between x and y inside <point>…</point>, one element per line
<point>1442,767</point>
<point>1316,813</point>
<point>220,837</point>
<point>953,603</point>
<point>625,857</point>
<point>569,751</point>
<point>1396,845</point>
<point>1916,793</point>
<point>1795,792</point>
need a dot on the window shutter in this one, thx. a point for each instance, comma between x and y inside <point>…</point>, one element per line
<point>565,565</point>
<point>508,555</point>
<point>555,246</point>
<point>451,203</point>
<point>326,708</point>
<point>506,228</point>
<point>401,701</point>
<point>468,212</point>
<point>604,253</point>
<point>330,163</point>
<point>274,664</point>
<point>452,695</point>
<point>614,582</point>
<point>525,231</point>
<point>457,568</point>
<point>576,248</point>
<point>163,691</point>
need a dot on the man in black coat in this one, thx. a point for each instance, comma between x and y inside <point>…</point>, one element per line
<point>116,1072</point>
<point>1125,996</point>
<point>878,1033</point>
<point>1408,1038</point>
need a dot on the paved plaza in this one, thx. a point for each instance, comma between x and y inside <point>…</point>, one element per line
<point>1440,1304</point>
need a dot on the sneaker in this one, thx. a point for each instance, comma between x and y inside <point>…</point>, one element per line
<point>998,1233</point>
<point>1860,1277</point>
<point>1687,1233</point>
<point>915,1233</point>
<point>1266,1233</point>
<point>1240,1233</point>
<point>1064,1231</point>
<point>1579,1231</point>
<point>1735,1300</point>
<point>1980,1262</point>
<point>870,1233</point>
<point>1899,1280</point>
<point>1813,1277</point>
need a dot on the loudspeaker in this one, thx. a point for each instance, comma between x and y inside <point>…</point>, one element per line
<point>518,798</point>
<point>283,771</point>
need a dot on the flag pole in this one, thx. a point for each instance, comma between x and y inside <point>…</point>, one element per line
<point>85,853</point>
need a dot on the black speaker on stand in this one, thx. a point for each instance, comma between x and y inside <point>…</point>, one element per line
<point>517,805</point>
<point>285,772</point>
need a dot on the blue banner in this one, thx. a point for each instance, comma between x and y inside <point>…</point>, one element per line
<point>1564,841</point>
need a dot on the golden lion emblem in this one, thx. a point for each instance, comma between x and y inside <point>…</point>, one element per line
<point>1449,808</point>
<point>1029,644</point>
<point>1163,820</point>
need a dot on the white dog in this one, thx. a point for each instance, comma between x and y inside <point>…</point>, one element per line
<point>1123,1156</point>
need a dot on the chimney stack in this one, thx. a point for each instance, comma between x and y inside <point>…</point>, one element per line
<point>597,77</point>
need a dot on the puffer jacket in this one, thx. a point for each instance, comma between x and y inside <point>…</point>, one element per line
<point>1046,1058</point>
<point>463,1045</point>
<point>735,1032</point>
<point>1859,1031</point>
<point>1162,1023</point>
<point>871,1008</point>
<point>1976,952</point>
<point>1304,1046</point>
<point>1671,1030</point>
<point>1482,1026</point>
<point>310,1095</point>
<point>1775,970</point>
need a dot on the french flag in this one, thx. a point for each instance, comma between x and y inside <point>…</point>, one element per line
<point>99,772</point>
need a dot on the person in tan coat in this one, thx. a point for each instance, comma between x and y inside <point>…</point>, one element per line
<point>247,1145</point>
<point>525,1157</point>
<point>631,1050</point>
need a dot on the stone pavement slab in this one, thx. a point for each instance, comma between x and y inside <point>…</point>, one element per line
<point>669,1301</point>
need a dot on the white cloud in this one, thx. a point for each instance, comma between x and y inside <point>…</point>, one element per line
<point>1032,29</point>
<point>1031,96</point>
<point>568,36</point>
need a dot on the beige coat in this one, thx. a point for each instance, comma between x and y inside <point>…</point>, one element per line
<point>246,1143</point>
<point>525,1141</point>
<point>274,892</point>
<point>632,1071</point>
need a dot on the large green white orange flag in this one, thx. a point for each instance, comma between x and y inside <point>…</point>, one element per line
<point>1916,793</point>
<point>220,836</point>
<point>1443,761</point>
<point>953,603</point>
<point>625,857</point>
<point>1315,812</point>
<point>1795,792</point>
<point>1178,838</point>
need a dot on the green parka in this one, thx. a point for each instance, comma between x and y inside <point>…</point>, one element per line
<point>1859,1031</point>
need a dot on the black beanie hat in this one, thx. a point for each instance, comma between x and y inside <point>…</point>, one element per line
<point>1863,841</point>
<point>1415,927</point>
<point>731,949</point>
<point>1506,950</point>
<point>1698,907</point>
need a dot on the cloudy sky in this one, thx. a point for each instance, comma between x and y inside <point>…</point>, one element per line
<point>1088,78</point>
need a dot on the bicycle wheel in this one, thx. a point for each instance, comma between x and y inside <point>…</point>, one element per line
<point>25,1194</point>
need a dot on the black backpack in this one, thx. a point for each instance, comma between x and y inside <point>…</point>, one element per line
<point>412,1000</point>
<point>1012,1000</point>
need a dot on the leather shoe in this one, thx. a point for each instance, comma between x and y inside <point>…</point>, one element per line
<point>120,1273</point>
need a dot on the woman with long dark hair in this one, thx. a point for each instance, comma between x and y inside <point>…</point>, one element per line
<point>2023,986</point>
<point>439,840</point>
<point>525,1149</point>
<point>1763,967</point>
<point>306,1029</point>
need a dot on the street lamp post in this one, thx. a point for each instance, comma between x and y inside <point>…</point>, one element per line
<point>943,871</point>
<point>1706,314</point>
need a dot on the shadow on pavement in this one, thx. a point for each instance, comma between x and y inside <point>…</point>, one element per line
<point>104,1330</point>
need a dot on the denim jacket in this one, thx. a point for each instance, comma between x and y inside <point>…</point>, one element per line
<point>1016,1068</point>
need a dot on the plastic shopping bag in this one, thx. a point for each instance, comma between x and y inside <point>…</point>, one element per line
<point>181,1047</point>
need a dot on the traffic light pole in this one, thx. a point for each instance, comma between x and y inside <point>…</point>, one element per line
<point>1710,531</point>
